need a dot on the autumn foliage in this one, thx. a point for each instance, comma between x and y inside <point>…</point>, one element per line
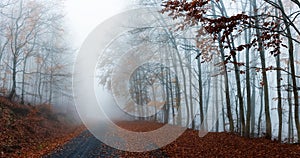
<point>223,29</point>
<point>213,144</point>
<point>268,29</point>
<point>31,131</point>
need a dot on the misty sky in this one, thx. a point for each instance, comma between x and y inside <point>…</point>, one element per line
<point>84,15</point>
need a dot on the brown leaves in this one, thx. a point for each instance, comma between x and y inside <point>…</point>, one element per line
<point>223,28</point>
<point>207,49</point>
<point>226,145</point>
<point>28,131</point>
<point>219,28</point>
<point>192,12</point>
<point>270,38</point>
<point>214,144</point>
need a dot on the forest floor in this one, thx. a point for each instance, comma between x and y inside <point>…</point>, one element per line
<point>39,131</point>
<point>187,145</point>
<point>32,131</point>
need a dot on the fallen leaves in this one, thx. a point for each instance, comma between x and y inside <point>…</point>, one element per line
<point>214,144</point>
<point>28,131</point>
<point>17,141</point>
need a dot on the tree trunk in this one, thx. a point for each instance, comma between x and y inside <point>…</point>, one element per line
<point>167,103</point>
<point>260,112</point>
<point>279,106</point>
<point>14,80</point>
<point>240,97</point>
<point>216,104</point>
<point>265,79</point>
<point>177,92</point>
<point>248,85</point>
<point>293,71</point>
<point>189,57</point>
<point>226,80</point>
<point>253,101</point>
<point>23,83</point>
<point>200,91</point>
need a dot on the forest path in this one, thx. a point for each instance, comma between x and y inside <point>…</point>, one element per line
<point>86,145</point>
<point>189,144</point>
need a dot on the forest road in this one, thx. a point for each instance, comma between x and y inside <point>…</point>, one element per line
<point>86,145</point>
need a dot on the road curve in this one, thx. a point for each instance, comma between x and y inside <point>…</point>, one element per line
<point>87,146</point>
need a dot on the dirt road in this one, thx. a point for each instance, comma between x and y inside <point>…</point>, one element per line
<point>87,146</point>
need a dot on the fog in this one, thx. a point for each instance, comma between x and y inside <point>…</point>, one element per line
<point>84,16</point>
<point>120,60</point>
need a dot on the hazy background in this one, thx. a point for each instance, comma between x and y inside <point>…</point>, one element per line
<point>84,15</point>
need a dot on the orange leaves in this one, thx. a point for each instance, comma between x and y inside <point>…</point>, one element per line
<point>207,49</point>
<point>192,12</point>
<point>214,144</point>
<point>225,145</point>
<point>28,131</point>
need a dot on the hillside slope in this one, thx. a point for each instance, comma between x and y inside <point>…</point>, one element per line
<point>30,131</point>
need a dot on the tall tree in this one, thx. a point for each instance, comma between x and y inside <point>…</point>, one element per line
<point>291,57</point>
<point>264,82</point>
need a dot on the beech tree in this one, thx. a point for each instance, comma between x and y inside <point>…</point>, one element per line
<point>268,38</point>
